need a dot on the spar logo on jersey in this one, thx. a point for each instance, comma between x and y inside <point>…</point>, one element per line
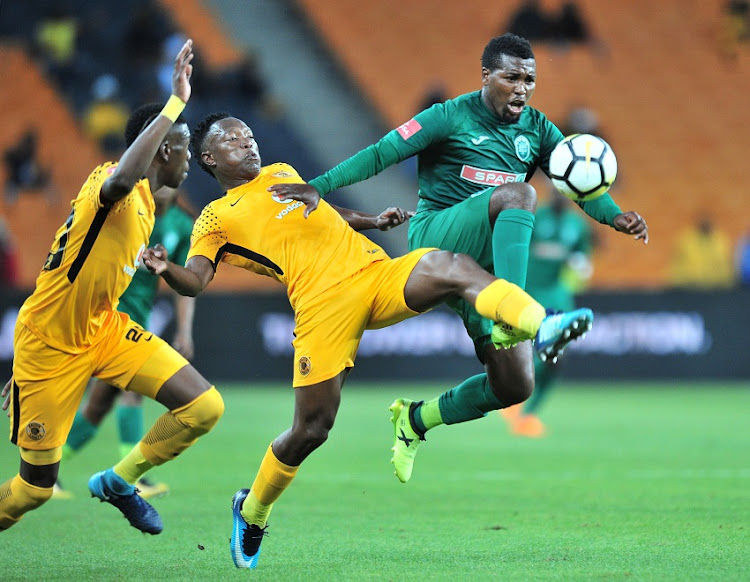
<point>523,147</point>
<point>489,177</point>
<point>408,129</point>
<point>131,270</point>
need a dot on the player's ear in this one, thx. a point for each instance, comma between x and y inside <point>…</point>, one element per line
<point>208,159</point>
<point>164,150</point>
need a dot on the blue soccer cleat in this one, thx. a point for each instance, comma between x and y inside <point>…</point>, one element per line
<point>246,538</point>
<point>559,329</point>
<point>139,513</point>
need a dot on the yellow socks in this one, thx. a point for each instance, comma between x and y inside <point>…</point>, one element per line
<point>272,478</point>
<point>175,431</point>
<point>18,497</point>
<point>133,465</point>
<point>504,301</point>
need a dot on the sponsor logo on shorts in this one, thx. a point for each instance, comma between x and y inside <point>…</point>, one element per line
<point>409,128</point>
<point>35,431</point>
<point>489,177</point>
<point>304,365</point>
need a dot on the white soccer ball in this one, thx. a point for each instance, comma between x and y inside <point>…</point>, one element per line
<point>582,167</point>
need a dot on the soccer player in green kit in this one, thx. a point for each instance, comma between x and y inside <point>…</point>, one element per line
<point>172,229</point>
<point>558,263</point>
<point>475,156</point>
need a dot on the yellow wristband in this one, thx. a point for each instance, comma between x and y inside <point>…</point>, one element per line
<point>173,108</point>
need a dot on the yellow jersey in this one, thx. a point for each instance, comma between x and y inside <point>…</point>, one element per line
<point>252,228</point>
<point>92,261</point>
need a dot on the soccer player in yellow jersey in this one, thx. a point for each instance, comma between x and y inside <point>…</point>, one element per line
<point>69,329</point>
<point>339,283</point>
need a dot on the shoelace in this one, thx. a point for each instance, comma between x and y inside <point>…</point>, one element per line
<point>251,539</point>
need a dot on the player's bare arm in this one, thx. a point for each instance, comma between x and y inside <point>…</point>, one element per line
<point>386,220</point>
<point>302,192</point>
<point>138,157</point>
<point>632,223</point>
<point>189,280</point>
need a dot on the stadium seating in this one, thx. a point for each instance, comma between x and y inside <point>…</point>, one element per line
<point>33,102</point>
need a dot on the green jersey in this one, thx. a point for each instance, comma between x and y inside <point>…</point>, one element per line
<point>558,235</point>
<point>462,148</point>
<point>172,229</point>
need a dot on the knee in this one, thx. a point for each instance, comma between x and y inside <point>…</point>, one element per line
<point>512,385</point>
<point>313,434</point>
<point>521,195</point>
<point>202,414</point>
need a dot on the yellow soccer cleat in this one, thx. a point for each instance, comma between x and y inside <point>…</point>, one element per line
<point>505,336</point>
<point>406,439</point>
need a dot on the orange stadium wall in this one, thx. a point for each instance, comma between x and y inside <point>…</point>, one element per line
<point>671,105</point>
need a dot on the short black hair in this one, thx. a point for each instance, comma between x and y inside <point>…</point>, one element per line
<point>199,135</point>
<point>506,44</point>
<point>140,119</point>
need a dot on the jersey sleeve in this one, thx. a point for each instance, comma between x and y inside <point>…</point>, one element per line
<point>408,139</point>
<point>209,237</point>
<point>93,188</point>
<point>602,209</point>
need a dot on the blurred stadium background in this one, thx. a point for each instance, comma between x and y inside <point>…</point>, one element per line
<point>320,79</point>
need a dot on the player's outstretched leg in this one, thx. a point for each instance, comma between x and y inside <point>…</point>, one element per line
<point>406,438</point>
<point>559,329</point>
<point>245,542</point>
<point>110,487</point>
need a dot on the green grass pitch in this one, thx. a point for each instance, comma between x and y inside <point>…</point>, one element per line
<point>634,482</point>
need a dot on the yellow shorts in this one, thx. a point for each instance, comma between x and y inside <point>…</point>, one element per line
<point>329,328</point>
<point>48,384</point>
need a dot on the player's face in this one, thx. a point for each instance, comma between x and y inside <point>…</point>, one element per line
<point>177,166</point>
<point>233,150</point>
<point>507,89</point>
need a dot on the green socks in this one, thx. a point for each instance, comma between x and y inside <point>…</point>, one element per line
<point>129,427</point>
<point>81,432</point>
<point>510,245</point>
<point>471,399</point>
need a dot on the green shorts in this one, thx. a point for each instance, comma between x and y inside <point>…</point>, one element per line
<point>463,228</point>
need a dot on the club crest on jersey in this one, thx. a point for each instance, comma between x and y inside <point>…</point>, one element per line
<point>304,365</point>
<point>523,147</point>
<point>283,174</point>
<point>35,431</point>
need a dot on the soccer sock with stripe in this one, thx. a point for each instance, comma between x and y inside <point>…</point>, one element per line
<point>171,434</point>
<point>272,479</point>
